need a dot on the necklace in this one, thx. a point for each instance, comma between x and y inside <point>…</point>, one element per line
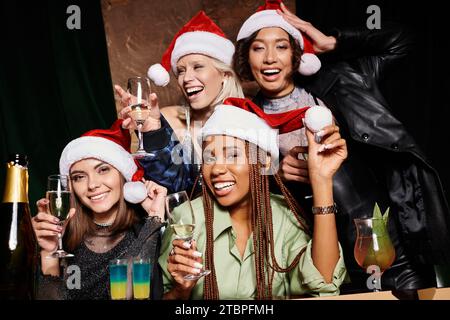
<point>103,224</point>
<point>298,98</point>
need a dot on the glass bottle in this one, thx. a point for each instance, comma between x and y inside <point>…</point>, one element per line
<point>17,239</point>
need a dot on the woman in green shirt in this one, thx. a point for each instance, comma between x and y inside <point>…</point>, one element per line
<point>256,244</point>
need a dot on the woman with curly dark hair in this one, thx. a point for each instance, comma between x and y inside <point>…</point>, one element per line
<point>278,50</point>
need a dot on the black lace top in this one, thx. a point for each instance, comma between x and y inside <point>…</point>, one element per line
<point>86,275</point>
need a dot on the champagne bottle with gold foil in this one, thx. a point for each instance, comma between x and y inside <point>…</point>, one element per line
<point>17,239</point>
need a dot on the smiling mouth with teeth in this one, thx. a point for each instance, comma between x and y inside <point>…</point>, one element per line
<point>193,91</point>
<point>223,185</point>
<point>270,72</point>
<point>98,197</point>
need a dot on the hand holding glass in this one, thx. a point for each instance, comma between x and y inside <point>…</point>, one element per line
<point>58,196</point>
<point>182,222</point>
<point>373,247</point>
<point>139,90</point>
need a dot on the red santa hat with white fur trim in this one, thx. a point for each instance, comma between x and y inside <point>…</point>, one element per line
<point>111,146</point>
<point>201,36</point>
<point>267,17</point>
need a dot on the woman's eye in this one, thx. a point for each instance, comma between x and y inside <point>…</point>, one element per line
<point>283,47</point>
<point>103,169</point>
<point>209,160</point>
<point>258,48</point>
<point>180,71</point>
<point>198,66</point>
<point>232,155</point>
<point>77,178</point>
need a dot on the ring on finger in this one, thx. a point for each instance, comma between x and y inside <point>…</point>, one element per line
<point>172,252</point>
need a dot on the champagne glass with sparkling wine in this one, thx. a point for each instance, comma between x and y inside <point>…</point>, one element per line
<point>182,221</point>
<point>139,90</point>
<point>58,196</point>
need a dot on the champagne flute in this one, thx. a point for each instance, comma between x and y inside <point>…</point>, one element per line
<point>182,221</point>
<point>373,248</point>
<point>139,90</point>
<point>58,196</point>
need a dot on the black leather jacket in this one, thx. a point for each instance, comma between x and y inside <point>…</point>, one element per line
<point>385,164</point>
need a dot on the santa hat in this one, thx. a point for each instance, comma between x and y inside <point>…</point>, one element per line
<point>231,119</point>
<point>267,17</point>
<point>111,146</point>
<point>200,36</point>
<point>284,121</point>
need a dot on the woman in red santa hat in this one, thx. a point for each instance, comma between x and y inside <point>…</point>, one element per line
<point>276,48</point>
<point>256,244</point>
<point>116,215</point>
<point>200,58</point>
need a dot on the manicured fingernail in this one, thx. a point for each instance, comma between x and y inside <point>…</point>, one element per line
<point>321,148</point>
<point>187,245</point>
<point>320,133</point>
<point>197,254</point>
<point>59,229</point>
<point>198,265</point>
<point>329,146</point>
<point>56,220</point>
<point>194,270</point>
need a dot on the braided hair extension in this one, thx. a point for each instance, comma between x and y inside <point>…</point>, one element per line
<point>258,216</point>
<point>262,226</point>
<point>210,287</point>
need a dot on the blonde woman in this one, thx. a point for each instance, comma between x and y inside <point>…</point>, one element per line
<point>200,58</point>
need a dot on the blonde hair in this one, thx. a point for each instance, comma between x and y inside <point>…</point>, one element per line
<point>231,87</point>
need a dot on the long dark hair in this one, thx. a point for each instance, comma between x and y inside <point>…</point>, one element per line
<point>263,238</point>
<point>241,63</point>
<point>82,223</point>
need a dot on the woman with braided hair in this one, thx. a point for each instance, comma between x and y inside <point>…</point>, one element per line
<point>256,244</point>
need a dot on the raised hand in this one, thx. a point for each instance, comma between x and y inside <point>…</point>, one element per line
<point>153,121</point>
<point>154,203</point>
<point>293,167</point>
<point>321,42</point>
<point>46,226</point>
<point>324,159</point>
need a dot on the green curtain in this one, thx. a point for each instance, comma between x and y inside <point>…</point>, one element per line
<point>55,83</point>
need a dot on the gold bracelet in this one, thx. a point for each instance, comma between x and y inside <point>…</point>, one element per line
<point>325,210</point>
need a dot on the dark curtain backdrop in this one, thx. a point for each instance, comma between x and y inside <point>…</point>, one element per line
<point>417,89</point>
<point>55,83</point>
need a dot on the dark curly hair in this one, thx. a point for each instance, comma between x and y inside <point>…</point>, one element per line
<point>241,64</point>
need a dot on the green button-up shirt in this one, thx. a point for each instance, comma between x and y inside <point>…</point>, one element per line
<point>236,275</point>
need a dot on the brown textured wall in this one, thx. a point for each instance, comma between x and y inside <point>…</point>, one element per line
<point>139,31</point>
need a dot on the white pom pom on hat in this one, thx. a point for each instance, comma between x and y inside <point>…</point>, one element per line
<point>309,64</point>
<point>159,75</point>
<point>200,36</point>
<point>111,146</point>
<point>267,17</point>
<point>134,192</point>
